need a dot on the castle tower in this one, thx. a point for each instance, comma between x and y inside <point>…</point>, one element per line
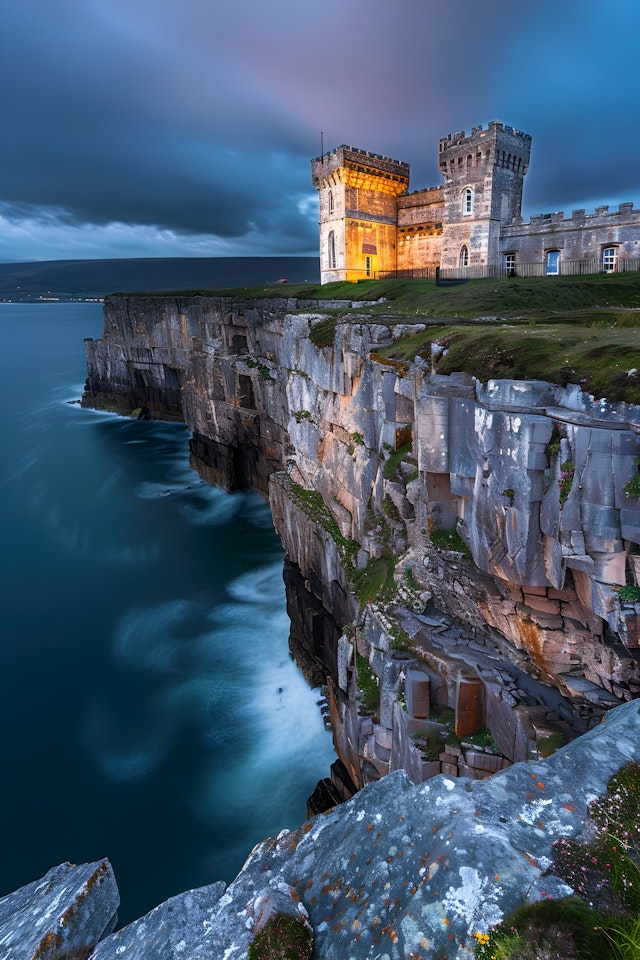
<point>358,212</point>
<point>484,174</point>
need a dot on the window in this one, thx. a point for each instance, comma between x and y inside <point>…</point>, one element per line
<point>467,201</point>
<point>609,259</point>
<point>367,266</point>
<point>510,264</point>
<point>330,203</point>
<point>332,250</point>
<point>553,263</point>
<point>464,256</point>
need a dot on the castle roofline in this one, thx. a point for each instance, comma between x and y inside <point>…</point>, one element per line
<point>479,133</point>
<point>357,151</point>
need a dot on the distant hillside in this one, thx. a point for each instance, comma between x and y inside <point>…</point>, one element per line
<point>96,278</point>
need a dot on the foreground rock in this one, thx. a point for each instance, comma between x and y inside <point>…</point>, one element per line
<point>62,916</point>
<point>401,870</point>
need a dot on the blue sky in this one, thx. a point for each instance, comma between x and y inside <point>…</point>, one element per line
<point>159,128</point>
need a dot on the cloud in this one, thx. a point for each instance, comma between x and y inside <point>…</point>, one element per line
<point>148,122</point>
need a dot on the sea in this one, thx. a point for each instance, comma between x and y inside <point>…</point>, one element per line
<point>150,710</point>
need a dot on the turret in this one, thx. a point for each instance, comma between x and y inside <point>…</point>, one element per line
<point>484,175</point>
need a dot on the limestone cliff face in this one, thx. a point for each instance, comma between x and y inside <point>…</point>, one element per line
<point>527,635</point>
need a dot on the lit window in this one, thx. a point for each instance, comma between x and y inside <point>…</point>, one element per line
<point>553,263</point>
<point>330,203</point>
<point>332,250</point>
<point>464,256</point>
<point>609,259</point>
<point>510,264</point>
<point>467,201</point>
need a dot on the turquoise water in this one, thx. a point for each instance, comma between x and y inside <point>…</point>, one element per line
<point>149,708</point>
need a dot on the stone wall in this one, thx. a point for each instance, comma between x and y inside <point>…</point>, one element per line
<point>581,236</point>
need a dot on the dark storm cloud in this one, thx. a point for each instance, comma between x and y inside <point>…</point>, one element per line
<point>169,126</point>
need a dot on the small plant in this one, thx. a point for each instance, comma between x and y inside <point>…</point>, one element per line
<point>430,744</point>
<point>301,415</point>
<point>553,447</point>
<point>357,438</point>
<point>410,578</point>
<point>400,638</point>
<point>629,594</point>
<point>546,930</point>
<point>603,919</point>
<point>483,738</point>
<point>375,581</point>
<point>632,486</point>
<point>449,540</point>
<point>368,686</point>
<point>548,745</point>
<point>390,509</point>
<point>263,370</point>
<point>509,494</point>
<point>567,471</point>
<point>393,461</point>
<point>283,938</point>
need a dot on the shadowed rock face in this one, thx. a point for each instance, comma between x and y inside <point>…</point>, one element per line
<point>400,869</point>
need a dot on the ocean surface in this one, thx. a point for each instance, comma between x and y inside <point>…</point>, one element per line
<point>149,707</point>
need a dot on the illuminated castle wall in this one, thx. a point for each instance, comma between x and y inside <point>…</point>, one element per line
<point>370,224</point>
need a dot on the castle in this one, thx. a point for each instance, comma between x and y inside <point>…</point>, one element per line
<point>371,226</point>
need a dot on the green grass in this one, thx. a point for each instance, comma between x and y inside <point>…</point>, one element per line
<point>598,358</point>
<point>283,938</point>
<point>314,506</point>
<point>449,540</point>
<point>368,686</point>
<point>323,333</point>
<point>376,580</point>
<point>393,461</point>
<point>629,594</point>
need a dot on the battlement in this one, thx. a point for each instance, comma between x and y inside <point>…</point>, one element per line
<point>625,211</point>
<point>479,134</point>
<point>361,161</point>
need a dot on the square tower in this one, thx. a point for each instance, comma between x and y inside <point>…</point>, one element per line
<point>358,194</point>
<point>484,175</point>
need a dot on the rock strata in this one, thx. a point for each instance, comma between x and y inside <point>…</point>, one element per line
<point>502,507</point>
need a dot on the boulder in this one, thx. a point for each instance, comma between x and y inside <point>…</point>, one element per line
<point>62,915</point>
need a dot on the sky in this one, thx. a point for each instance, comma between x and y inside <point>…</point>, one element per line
<point>185,128</point>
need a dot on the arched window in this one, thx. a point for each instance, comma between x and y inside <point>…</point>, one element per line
<point>330,203</point>
<point>553,263</point>
<point>332,250</point>
<point>467,202</point>
<point>609,264</point>
<point>464,256</point>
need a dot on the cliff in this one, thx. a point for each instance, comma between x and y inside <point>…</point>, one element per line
<point>494,519</point>
<point>455,558</point>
